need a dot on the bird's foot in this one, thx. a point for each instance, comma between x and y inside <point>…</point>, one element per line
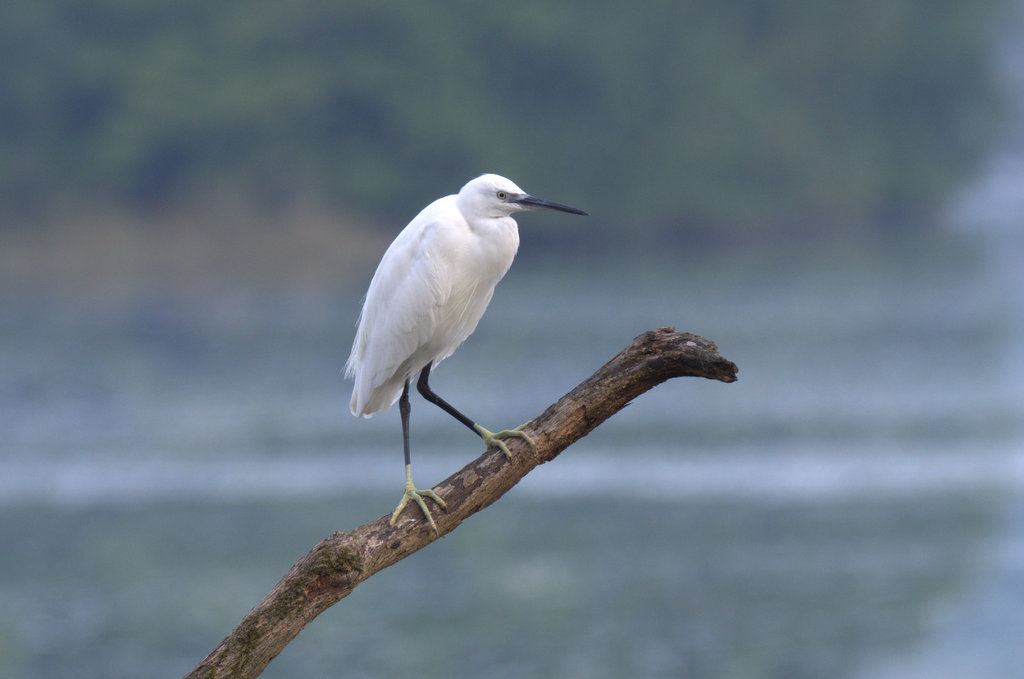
<point>416,495</point>
<point>495,439</point>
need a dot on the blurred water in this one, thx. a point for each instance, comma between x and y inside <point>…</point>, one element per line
<point>855,496</point>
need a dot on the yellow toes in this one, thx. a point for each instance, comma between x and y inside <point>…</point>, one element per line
<point>416,495</point>
<point>492,439</point>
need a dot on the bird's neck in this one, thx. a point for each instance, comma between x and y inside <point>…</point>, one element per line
<point>497,239</point>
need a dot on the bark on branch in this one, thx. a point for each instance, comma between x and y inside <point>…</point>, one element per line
<point>338,563</point>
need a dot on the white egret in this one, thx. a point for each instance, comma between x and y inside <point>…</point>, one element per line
<point>426,297</point>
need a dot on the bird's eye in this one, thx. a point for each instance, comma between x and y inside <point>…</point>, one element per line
<point>502,195</point>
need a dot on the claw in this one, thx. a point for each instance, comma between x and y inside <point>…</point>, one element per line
<point>492,439</point>
<point>416,495</point>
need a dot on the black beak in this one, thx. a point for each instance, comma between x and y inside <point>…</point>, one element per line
<point>531,203</point>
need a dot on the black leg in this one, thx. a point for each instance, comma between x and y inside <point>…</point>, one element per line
<point>490,438</point>
<point>411,492</point>
<point>403,410</point>
<point>426,392</point>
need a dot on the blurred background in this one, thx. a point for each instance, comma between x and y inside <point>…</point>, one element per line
<point>194,196</point>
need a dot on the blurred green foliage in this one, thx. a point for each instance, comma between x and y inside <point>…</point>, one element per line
<point>662,117</point>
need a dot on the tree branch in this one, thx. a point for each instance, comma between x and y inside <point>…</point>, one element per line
<point>338,563</point>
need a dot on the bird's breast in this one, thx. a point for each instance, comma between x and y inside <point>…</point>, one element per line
<point>492,247</point>
<point>474,267</point>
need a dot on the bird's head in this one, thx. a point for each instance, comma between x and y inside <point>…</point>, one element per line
<point>492,195</point>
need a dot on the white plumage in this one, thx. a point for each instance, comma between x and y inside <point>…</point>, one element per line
<point>431,288</point>
<point>426,297</point>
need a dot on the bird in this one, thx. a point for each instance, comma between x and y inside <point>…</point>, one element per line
<point>426,297</point>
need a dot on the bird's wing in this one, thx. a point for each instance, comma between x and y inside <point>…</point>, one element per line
<point>400,315</point>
